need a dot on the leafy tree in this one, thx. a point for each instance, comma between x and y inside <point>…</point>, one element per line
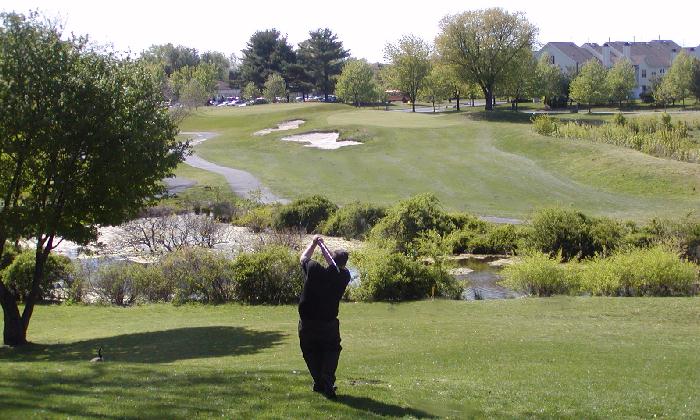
<point>84,141</point>
<point>193,85</point>
<point>665,91</point>
<point>484,45</point>
<point>299,79</point>
<point>436,86</point>
<point>621,80</point>
<point>356,83</point>
<point>267,52</point>
<point>550,83</point>
<point>410,64</point>
<point>274,87</point>
<point>250,91</point>
<point>220,63</point>
<point>323,57</point>
<point>521,79</point>
<point>680,76</point>
<point>695,86</point>
<point>171,58</point>
<point>590,86</point>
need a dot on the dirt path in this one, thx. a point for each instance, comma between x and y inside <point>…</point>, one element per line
<point>241,182</point>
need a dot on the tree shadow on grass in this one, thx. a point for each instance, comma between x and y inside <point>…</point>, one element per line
<point>152,347</point>
<point>140,391</point>
<point>381,409</point>
<point>500,116</point>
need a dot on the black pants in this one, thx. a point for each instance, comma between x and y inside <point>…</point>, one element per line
<point>320,345</point>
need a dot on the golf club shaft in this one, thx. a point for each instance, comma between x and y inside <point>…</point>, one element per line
<point>328,255</point>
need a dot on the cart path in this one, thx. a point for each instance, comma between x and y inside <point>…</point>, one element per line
<point>241,182</point>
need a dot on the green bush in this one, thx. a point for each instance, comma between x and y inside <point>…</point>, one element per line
<point>639,272</point>
<point>114,283</point>
<point>353,221</point>
<point>501,239</point>
<point>466,221</point>
<point>544,124</point>
<point>538,274</point>
<point>152,285</point>
<point>392,276</point>
<point>199,275</point>
<point>305,213</point>
<point>572,234</point>
<point>19,274</point>
<point>461,241</point>
<point>406,220</point>
<point>269,276</point>
<point>619,119</point>
<point>258,219</point>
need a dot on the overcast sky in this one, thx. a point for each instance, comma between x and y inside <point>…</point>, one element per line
<point>363,26</point>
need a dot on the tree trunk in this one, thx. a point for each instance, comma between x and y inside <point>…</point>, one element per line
<point>14,333</point>
<point>433,106</point>
<point>457,103</point>
<point>488,96</point>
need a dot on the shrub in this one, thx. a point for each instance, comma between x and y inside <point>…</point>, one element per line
<point>258,219</point>
<point>460,241</point>
<point>114,283</point>
<point>19,274</point>
<point>606,235</point>
<point>223,211</point>
<point>392,276</point>
<point>619,119</point>
<point>501,239</point>
<point>199,275</point>
<point>466,221</point>
<point>269,276</point>
<point>639,272</point>
<point>544,124</point>
<point>353,221</point>
<point>557,230</point>
<point>538,274</point>
<point>306,213</point>
<point>406,220</point>
<point>151,285</point>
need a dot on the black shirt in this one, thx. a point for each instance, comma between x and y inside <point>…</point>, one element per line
<point>323,289</point>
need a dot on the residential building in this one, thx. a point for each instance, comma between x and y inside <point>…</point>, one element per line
<point>651,60</point>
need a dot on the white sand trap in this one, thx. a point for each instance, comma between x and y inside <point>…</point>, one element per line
<point>283,126</point>
<point>328,141</point>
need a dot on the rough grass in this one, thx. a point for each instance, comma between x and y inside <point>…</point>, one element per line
<point>484,163</point>
<point>528,358</point>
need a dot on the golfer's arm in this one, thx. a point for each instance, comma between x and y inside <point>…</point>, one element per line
<point>308,252</point>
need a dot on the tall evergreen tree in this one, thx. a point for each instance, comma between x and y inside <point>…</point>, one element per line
<point>323,56</point>
<point>267,52</point>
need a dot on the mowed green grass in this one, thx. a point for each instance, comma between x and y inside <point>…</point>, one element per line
<point>592,358</point>
<point>489,166</point>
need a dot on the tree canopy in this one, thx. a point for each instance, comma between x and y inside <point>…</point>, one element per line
<point>590,86</point>
<point>267,52</point>
<point>356,83</point>
<point>483,45</point>
<point>171,58</point>
<point>322,56</point>
<point>84,141</point>
<point>620,81</point>
<point>410,64</point>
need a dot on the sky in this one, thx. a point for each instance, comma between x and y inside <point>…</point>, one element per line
<point>364,27</point>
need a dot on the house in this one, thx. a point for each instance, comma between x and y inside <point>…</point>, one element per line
<point>651,60</point>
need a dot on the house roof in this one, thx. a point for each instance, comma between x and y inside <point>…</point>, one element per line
<point>573,51</point>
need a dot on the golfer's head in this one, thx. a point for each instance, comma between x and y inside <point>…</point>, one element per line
<point>340,256</point>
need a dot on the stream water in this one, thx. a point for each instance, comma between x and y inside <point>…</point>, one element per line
<point>482,282</point>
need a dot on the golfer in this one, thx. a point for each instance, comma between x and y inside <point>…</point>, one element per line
<point>319,328</point>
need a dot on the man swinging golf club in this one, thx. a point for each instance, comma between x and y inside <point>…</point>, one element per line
<point>319,328</point>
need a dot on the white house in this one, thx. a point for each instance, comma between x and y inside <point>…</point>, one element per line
<point>651,60</point>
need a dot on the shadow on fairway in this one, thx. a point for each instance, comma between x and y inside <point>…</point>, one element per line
<point>381,409</point>
<point>153,347</point>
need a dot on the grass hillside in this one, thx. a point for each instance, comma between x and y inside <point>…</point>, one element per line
<point>592,358</point>
<point>471,161</point>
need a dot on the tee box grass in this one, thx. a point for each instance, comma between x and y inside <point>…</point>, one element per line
<point>527,358</point>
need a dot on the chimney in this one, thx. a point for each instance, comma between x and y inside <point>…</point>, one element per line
<point>606,55</point>
<point>627,51</point>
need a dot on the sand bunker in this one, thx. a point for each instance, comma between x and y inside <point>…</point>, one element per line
<point>283,126</point>
<point>328,141</point>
